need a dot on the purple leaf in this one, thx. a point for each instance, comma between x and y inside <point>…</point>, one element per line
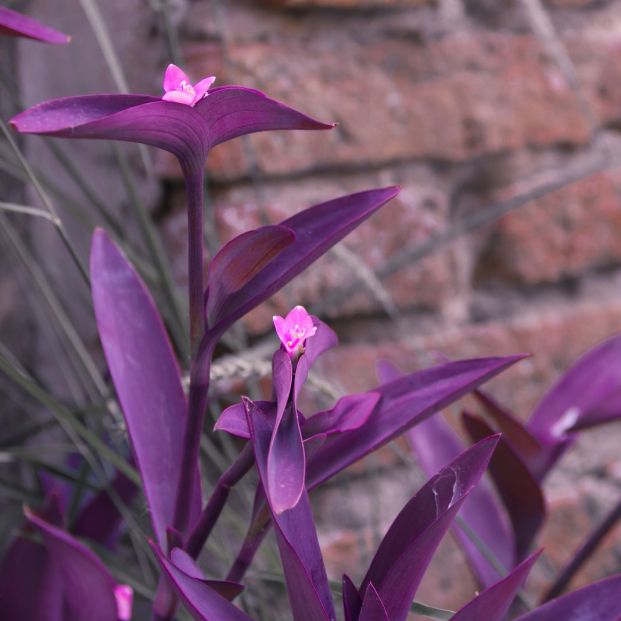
<point>202,601</point>
<point>146,377</point>
<point>514,431</point>
<point>585,390</point>
<point>30,585</point>
<point>100,519</point>
<point>237,262</point>
<point>435,445</point>
<point>184,562</point>
<point>87,585</point>
<point>316,230</point>
<point>494,602</point>
<point>518,489</point>
<point>187,132</point>
<point>597,602</point>
<point>407,548</point>
<point>305,574</point>
<point>405,402</point>
<point>17,25</point>
<point>349,413</point>
<point>233,420</point>
<point>373,608</point>
<point>352,602</point>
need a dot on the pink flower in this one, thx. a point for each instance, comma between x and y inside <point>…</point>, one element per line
<point>124,596</point>
<point>294,329</point>
<point>178,88</point>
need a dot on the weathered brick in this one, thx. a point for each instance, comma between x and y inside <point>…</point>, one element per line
<point>565,234</point>
<point>398,97</point>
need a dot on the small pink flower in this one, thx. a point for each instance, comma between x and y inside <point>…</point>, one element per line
<point>294,329</point>
<point>124,596</point>
<point>178,88</point>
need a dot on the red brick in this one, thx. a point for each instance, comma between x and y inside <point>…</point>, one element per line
<point>564,234</point>
<point>451,98</point>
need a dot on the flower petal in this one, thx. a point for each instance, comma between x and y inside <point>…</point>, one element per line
<point>140,356</point>
<point>173,78</point>
<point>15,24</point>
<point>201,88</point>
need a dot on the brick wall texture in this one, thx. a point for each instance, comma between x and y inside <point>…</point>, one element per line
<point>476,108</point>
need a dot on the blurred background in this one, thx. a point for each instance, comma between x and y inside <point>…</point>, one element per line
<point>501,121</point>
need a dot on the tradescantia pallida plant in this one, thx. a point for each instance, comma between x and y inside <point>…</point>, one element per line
<point>54,568</point>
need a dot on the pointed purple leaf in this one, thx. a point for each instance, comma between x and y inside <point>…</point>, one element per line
<point>286,460</point>
<point>183,561</point>
<point>88,587</point>
<point>373,608</point>
<point>514,431</point>
<point>146,377</point>
<point>305,574</point>
<point>100,519</point>
<point>15,24</point>
<point>519,490</point>
<point>202,601</point>
<point>407,548</point>
<point>349,413</point>
<point>237,262</point>
<point>187,132</point>
<point>316,230</point>
<point>580,394</point>
<point>233,420</point>
<point>30,585</point>
<point>352,602</point>
<point>597,602</point>
<point>494,602</point>
<point>232,111</point>
<point>405,402</point>
<point>435,445</point>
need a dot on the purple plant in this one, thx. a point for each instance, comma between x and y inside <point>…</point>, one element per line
<point>292,453</point>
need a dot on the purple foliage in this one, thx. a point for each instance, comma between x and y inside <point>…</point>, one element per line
<point>50,574</point>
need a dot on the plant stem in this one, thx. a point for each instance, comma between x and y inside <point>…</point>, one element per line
<point>583,554</point>
<point>195,199</point>
<point>218,499</point>
<point>252,541</point>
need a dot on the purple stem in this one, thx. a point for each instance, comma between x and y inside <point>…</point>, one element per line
<point>583,554</point>
<point>249,548</point>
<point>194,183</point>
<point>232,475</point>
